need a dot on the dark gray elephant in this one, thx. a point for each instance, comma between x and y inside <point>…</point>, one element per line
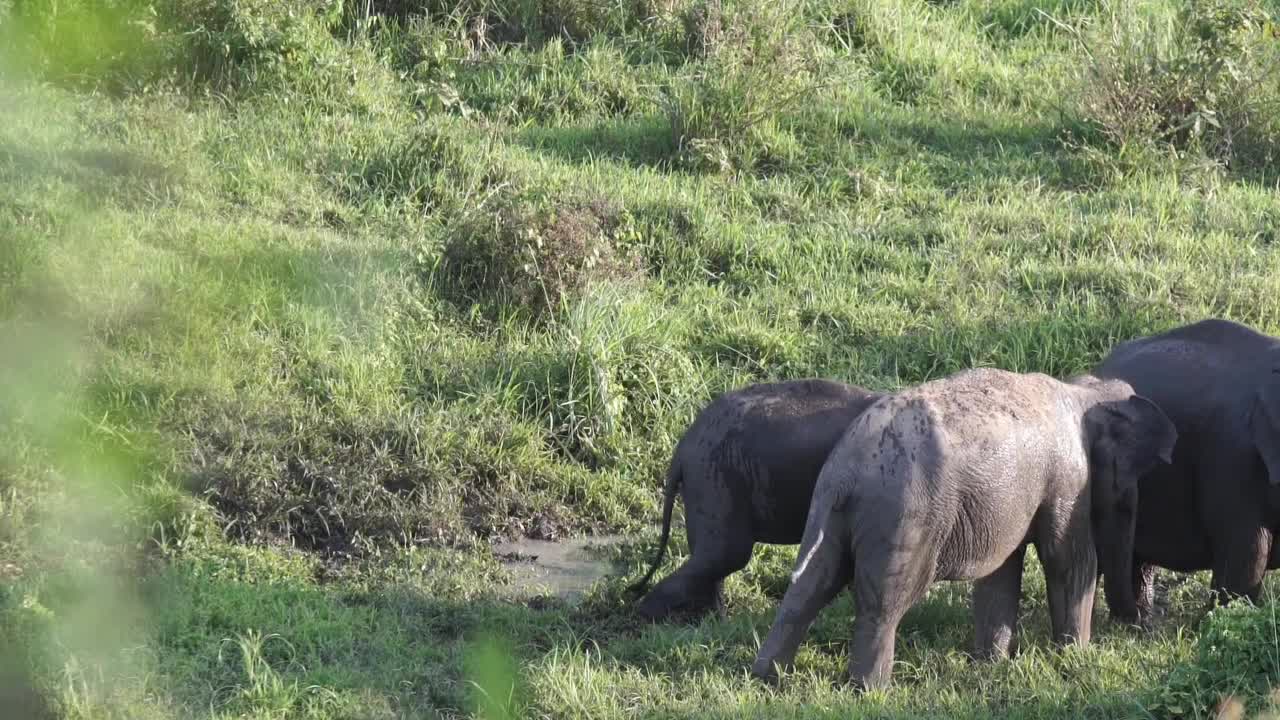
<point>1216,507</point>
<point>951,480</point>
<point>746,468</point>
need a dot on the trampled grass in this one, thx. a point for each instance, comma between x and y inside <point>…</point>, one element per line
<point>284,351</point>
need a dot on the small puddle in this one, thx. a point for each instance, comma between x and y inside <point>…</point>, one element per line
<point>564,568</point>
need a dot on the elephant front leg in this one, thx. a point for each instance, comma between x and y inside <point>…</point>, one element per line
<point>1071,577</point>
<point>995,608</point>
<point>823,569</point>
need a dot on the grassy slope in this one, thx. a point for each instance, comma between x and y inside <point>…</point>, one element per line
<point>225,323</point>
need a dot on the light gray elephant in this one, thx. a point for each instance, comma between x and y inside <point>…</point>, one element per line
<point>746,468</point>
<point>951,480</point>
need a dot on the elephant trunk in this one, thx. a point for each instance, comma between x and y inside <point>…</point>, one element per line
<point>1115,558</point>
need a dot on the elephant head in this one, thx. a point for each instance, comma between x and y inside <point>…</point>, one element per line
<point>1126,438</point>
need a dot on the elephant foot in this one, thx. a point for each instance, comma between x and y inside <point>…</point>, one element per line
<point>693,616</point>
<point>653,609</point>
<point>681,615</point>
<point>861,685</point>
<point>665,604</point>
<point>766,672</point>
<point>1144,623</point>
<point>995,654</point>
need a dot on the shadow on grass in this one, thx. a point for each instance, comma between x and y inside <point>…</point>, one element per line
<point>96,172</point>
<point>954,152</point>
<point>1114,705</point>
<point>18,689</point>
<point>960,152</point>
<point>1058,343</point>
<point>643,143</point>
<point>1264,174</point>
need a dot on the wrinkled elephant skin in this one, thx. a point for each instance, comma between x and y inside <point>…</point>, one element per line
<point>951,480</point>
<point>746,468</point>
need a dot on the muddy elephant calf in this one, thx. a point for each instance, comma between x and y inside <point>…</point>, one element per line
<point>746,469</point>
<point>952,480</point>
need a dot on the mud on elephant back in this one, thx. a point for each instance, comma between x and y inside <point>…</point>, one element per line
<point>746,468</point>
<point>952,480</point>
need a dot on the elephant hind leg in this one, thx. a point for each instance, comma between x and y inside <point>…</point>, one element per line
<point>822,570</point>
<point>715,561</point>
<point>666,597</point>
<point>696,587</point>
<point>1144,590</point>
<point>885,587</point>
<point>874,640</point>
<point>1240,564</point>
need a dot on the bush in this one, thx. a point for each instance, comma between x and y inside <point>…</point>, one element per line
<point>1204,79</point>
<point>534,254</point>
<point>229,39</point>
<point>757,62</point>
<point>610,378</point>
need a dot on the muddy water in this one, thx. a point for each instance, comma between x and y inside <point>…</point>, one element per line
<point>564,568</point>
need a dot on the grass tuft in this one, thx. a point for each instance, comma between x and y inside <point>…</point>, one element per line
<point>758,59</point>
<point>524,252</point>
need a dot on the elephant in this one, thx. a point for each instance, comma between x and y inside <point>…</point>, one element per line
<point>952,480</point>
<point>1217,505</point>
<point>746,468</point>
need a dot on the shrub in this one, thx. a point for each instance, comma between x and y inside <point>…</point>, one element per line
<point>757,62</point>
<point>611,377</point>
<point>1203,79</point>
<point>229,39</point>
<point>534,254</point>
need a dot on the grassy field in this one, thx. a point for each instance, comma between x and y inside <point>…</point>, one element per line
<point>305,304</point>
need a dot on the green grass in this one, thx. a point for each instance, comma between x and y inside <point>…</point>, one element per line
<point>265,406</point>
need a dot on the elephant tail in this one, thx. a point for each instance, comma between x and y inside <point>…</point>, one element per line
<point>674,478</point>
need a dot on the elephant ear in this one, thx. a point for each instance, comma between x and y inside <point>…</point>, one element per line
<point>1264,425</point>
<point>1133,436</point>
